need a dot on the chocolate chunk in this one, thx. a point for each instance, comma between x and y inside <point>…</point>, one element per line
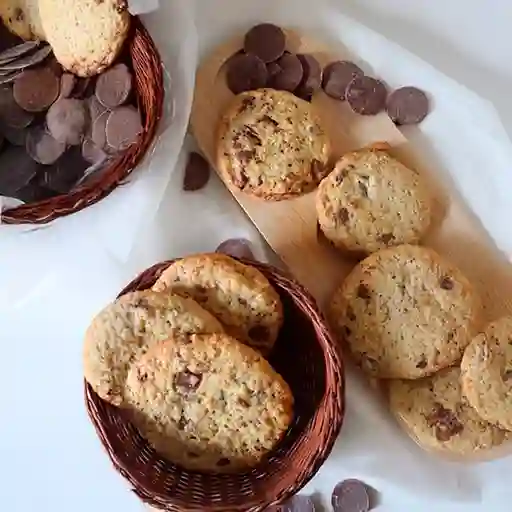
<point>99,130</point>
<point>407,105</point>
<point>445,422</point>
<point>363,292</point>
<point>350,496</point>
<point>16,136</point>
<point>42,147</point>
<point>67,84</point>
<point>66,172</point>
<point>197,172</point>
<point>259,333</point>
<point>337,76</point>
<point>123,128</point>
<point>236,247</point>
<point>187,381</point>
<point>81,89</point>
<point>36,89</point>
<point>9,76</point>
<point>66,120</point>
<point>11,114</point>
<point>366,95</point>
<point>16,170</point>
<point>27,60</point>
<point>343,215</point>
<point>18,51</point>
<point>266,41</point>
<point>289,75</point>
<point>422,363</point>
<point>246,72</point>
<point>311,78</point>
<point>447,283</point>
<point>114,86</point>
<point>298,503</point>
<point>92,153</point>
<point>386,238</point>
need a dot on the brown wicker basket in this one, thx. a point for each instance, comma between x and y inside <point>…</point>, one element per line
<point>144,58</point>
<point>306,355</point>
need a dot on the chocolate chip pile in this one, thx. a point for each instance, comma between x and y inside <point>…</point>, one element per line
<point>265,62</point>
<point>56,128</point>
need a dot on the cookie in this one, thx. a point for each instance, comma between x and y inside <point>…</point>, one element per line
<point>487,373</point>
<point>210,404</point>
<point>86,35</point>
<point>22,18</point>
<point>435,412</point>
<point>371,201</point>
<point>405,312</point>
<point>127,327</point>
<point>271,144</point>
<point>238,295</point>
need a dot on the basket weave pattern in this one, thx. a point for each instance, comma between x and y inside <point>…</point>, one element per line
<point>306,355</point>
<point>149,89</point>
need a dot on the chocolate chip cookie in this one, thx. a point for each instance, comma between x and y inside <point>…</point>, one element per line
<point>240,296</point>
<point>405,312</point>
<point>210,403</point>
<point>127,327</point>
<point>22,18</point>
<point>436,413</point>
<point>271,144</point>
<point>487,373</point>
<point>371,201</point>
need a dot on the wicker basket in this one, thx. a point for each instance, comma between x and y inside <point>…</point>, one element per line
<point>306,355</point>
<point>145,61</point>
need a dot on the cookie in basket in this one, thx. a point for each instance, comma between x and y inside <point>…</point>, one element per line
<point>405,312</point>
<point>435,412</point>
<point>271,144</point>
<point>487,373</point>
<point>129,326</point>
<point>240,296</point>
<point>86,35</point>
<point>22,18</point>
<point>210,404</point>
<point>371,201</point>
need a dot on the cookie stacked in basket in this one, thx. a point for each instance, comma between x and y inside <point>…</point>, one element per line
<point>186,361</point>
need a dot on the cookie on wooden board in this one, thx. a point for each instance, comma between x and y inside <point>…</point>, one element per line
<point>436,413</point>
<point>405,312</point>
<point>22,18</point>
<point>271,144</point>
<point>86,35</point>
<point>210,403</point>
<point>238,295</point>
<point>127,327</point>
<point>487,373</point>
<point>371,201</point>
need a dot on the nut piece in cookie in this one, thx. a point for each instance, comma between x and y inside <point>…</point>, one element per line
<point>435,412</point>
<point>22,18</point>
<point>210,404</point>
<point>271,144</point>
<point>398,317</point>
<point>487,373</point>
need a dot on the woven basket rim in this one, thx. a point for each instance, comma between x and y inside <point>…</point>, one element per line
<point>140,45</point>
<point>333,399</point>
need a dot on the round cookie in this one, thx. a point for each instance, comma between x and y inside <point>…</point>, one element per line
<point>127,327</point>
<point>210,404</point>
<point>271,145</point>
<point>371,201</point>
<point>405,312</point>
<point>238,295</point>
<point>86,35</point>
<point>435,412</point>
<point>487,373</point>
<point>22,18</point>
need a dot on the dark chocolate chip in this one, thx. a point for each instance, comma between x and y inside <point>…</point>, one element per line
<point>312,76</point>
<point>350,496</point>
<point>124,125</point>
<point>422,363</point>
<point>289,75</point>
<point>16,170</point>
<point>197,172</point>
<point>343,215</point>
<point>445,422</point>
<point>236,247</point>
<point>113,87</point>
<point>92,153</point>
<point>66,120</point>
<point>366,95</point>
<point>336,77</point>
<point>27,60</point>
<point>407,105</point>
<point>187,381</point>
<point>386,238</point>
<point>266,41</point>
<point>259,333</point>
<point>42,147</point>
<point>447,283</point>
<point>18,51</point>
<point>67,84</point>
<point>246,72</point>
<point>298,503</point>
<point>363,292</point>
<point>36,89</point>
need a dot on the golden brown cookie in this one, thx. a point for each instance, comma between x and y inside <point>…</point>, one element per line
<point>22,18</point>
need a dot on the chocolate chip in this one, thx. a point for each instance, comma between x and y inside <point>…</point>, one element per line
<point>197,172</point>
<point>188,381</point>
<point>11,114</point>
<point>223,462</point>
<point>267,119</point>
<point>92,153</point>
<point>422,363</point>
<point>366,95</point>
<point>311,78</point>
<point>16,170</point>
<point>297,503</point>
<point>66,120</point>
<point>27,60</point>
<point>337,75</point>
<point>259,333</point>
<point>445,422</point>
<point>142,377</point>
<point>42,147</point>
<point>247,104</point>
<point>124,125</point>
<point>343,215</point>
<point>246,72</point>
<point>236,247</point>
<point>266,41</point>
<point>36,89</point>
<point>385,238</point>
<point>363,292</point>
<point>67,84</point>
<point>350,496</point>
<point>289,75</point>
<point>407,105</point>
<point>447,283</point>
<point>113,87</point>
<point>17,51</point>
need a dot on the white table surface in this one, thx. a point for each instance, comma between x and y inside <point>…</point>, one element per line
<point>50,459</point>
